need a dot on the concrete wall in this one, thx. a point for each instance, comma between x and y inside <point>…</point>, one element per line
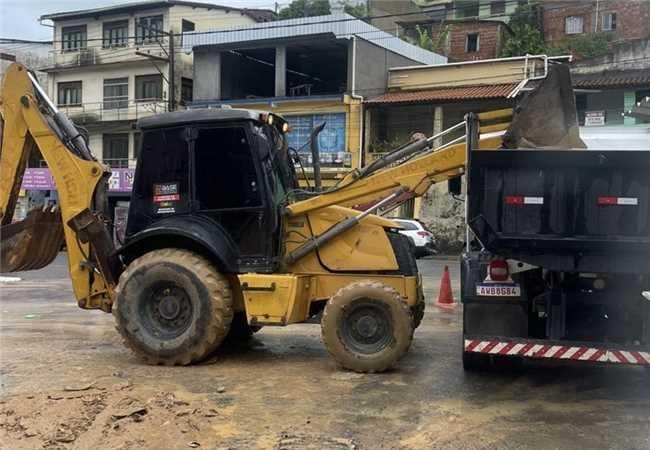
<point>371,67</point>
<point>632,55</point>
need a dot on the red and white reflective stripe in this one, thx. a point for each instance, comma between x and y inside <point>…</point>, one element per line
<point>631,201</point>
<point>521,200</point>
<point>568,352</point>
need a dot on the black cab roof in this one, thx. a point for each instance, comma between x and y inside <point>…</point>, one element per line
<point>191,116</point>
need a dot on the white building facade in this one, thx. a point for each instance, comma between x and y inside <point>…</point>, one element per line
<point>111,66</point>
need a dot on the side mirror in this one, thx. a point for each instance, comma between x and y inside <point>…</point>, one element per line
<point>455,186</point>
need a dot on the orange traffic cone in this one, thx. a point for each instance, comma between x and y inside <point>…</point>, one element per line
<point>445,296</point>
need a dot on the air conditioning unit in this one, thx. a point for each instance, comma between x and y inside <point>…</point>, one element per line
<point>86,57</point>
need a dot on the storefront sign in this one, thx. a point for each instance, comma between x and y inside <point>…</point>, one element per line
<point>594,118</point>
<point>121,180</point>
<point>38,180</point>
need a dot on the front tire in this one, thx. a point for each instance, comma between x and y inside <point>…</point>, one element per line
<point>172,307</point>
<point>366,327</point>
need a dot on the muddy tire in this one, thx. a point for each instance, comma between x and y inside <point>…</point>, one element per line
<point>172,307</point>
<point>240,330</point>
<point>366,327</point>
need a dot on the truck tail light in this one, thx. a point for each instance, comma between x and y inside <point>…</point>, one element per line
<point>498,270</point>
<point>424,233</point>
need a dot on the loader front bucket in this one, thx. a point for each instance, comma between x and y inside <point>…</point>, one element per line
<point>32,243</point>
<point>546,116</point>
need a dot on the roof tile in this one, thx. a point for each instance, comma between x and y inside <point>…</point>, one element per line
<point>445,94</point>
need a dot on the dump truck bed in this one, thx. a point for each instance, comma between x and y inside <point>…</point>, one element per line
<point>569,210</point>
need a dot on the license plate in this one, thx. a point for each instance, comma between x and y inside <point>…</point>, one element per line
<point>498,290</point>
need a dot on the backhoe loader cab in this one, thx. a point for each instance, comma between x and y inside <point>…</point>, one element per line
<point>216,178</point>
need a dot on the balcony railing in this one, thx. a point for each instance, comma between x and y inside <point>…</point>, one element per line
<point>113,110</point>
<point>96,54</point>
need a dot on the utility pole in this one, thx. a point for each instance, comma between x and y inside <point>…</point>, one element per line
<point>171,98</point>
<point>172,83</point>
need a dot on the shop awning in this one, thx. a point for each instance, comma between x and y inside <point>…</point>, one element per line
<point>611,80</point>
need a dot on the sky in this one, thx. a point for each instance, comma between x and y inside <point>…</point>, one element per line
<point>19,18</point>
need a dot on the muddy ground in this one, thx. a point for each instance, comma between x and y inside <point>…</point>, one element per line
<point>68,383</point>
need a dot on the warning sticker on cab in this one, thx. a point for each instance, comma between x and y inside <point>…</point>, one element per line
<point>498,290</point>
<point>166,198</point>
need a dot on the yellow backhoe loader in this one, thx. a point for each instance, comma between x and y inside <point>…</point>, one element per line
<point>221,239</point>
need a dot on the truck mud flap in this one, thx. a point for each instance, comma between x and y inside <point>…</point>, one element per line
<point>558,350</point>
<point>32,243</point>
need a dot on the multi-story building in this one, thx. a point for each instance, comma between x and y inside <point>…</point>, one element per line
<point>465,30</point>
<point>111,66</point>
<point>611,76</point>
<point>310,70</point>
<point>621,20</point>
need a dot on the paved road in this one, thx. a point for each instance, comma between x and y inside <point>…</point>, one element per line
<point>282,392</point>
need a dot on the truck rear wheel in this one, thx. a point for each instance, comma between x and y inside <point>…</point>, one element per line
<point>366,327</point>
<point>173,307</point>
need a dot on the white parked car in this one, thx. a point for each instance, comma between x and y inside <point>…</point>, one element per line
<point>421,237</point>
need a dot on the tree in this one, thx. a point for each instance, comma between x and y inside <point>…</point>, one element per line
<point>427,41</point>
<point>304,8</point>
<point>359,10</point>
<point>524,40</point>
<point>526,37</point>
<point>309,8</point>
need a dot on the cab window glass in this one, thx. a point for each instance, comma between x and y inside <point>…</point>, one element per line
<point>225,173</point>
<point>163,182</point>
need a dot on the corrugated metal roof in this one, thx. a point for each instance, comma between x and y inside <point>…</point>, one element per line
<point>444,94</point>
<point>612,79</point>
<point>255,14</point>
<point>343,26</point>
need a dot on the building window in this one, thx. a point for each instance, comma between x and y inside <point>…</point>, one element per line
<point>148,87</point>
<point>331,140</point>
<point>497,8</point>
<point>73,38</point>
<point>187,26</point>
<point>116,150</point>
<point>573,25</point>
<point>148,29</point>
<point>116,33</point>
<point>69,93</point>
<point>116,93</point>
<point>609,21</point>
<point>472,43</point>
<point>186,89</point>
<point>467,9</point>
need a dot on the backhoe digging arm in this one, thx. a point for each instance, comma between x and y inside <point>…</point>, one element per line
<point>30,119</point>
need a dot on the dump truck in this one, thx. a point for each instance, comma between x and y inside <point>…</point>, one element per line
<point>556,266</point>
<point>221,239</point>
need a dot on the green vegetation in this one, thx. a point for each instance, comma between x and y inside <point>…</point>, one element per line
<point>309,8</point>
<point>427,41</point>
<point>527,38</point>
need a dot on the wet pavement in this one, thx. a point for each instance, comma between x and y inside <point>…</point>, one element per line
<point>281,391</point>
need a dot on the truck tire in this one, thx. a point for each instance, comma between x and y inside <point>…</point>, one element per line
<point>366,327</point>
<point>476,362</point>
<point>172,307</point>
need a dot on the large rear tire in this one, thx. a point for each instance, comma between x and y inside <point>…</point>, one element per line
<point>366,327</point>
<point>172,307</point>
